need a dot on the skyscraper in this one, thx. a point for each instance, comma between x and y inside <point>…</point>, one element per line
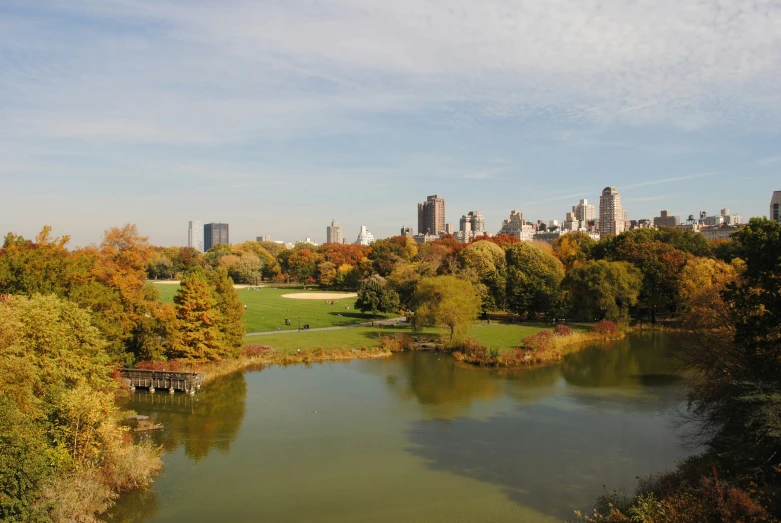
<point>214,234</point>
<point>333,233</point>
<point>775,207</point>
<point>195,235</point>
<point>611,215</point>
<point>431,215</point>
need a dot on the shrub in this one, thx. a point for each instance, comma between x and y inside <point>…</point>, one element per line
<point>562,330</point>
<point>606,328</point>
<point>173,365</point>
<point>470,350</point>
<point>540,341</point>
<point>397,343</point>
<point>253,351</point>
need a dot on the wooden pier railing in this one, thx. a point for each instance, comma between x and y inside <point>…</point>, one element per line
<point>187,382</point>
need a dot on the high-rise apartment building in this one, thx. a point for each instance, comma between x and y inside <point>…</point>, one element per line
<point>407,232</point>
<point>215,234</point>
<point>518,227</point>
<point>431,215</point>
<point>333,233</point>
<point>775,207</point>
<point>666,220</point>
<point>583,212</point>
<point>195,235</point>
<point>365,237</point>
<point>474,223</point>
<point>264,239</point>
<point>612,217</point>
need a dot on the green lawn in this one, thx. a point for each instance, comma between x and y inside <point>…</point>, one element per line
<point>499,336</point>
<point>267,310</point>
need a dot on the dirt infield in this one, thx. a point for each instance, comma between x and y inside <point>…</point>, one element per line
<point>320,295</point>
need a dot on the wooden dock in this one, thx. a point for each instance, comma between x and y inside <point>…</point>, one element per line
<point>187,382</point>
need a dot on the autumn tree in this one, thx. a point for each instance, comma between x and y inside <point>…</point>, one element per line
<point>533,280</point>
<point>573,248</point>
<point>445,301</point>
<point>302,264</point>
<point>375,295</point>
<point>199,318</point>
<point>602,289</point>
<point>404,280</point>
<point>326,273</point>
<point>211,258</point>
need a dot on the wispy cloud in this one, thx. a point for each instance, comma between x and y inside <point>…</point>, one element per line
<point>769,160</point>
<point>668,180</point>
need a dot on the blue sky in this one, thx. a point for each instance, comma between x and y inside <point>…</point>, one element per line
<point>278,116</point>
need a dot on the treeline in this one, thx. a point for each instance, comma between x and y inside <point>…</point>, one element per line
<point>732,317</point>
<point>68,320</point>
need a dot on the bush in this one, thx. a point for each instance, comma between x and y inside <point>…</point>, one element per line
<point>606,328</point>
<point>540,341</point>
<point>172,365</point>
<point>562,330</point>
<point>397,343</point>
<point>253,351</point>
<point>471,351</point>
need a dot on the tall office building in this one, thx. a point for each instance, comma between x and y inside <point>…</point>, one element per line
<point>214,234</point>
<point>583,212</point>
<point>195,236</point>
<point>612,217</point>
<point>333,233</point>
<point>431,215</point>
<point>775,207</point>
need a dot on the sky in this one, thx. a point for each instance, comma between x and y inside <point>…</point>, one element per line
<point>279,116</point>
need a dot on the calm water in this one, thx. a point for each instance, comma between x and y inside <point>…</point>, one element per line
<point>415,437</point>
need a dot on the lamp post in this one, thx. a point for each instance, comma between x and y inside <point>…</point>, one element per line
<point>299,323</point>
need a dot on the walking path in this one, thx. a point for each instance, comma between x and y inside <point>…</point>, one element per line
<point>388,322</point>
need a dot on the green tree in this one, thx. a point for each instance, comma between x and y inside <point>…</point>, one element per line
<point>404,280</point>
<point>533,280</point>
<point>602,289</point>
<point>231,325</point>
<point>445,301</point>
<point>488,260</point>
<point>375,295</point>
<point>212,257</point>
<point>199,318</point>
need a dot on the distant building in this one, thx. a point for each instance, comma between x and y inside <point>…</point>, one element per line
<point>333,233</point>
<point>365,237</point>
<point>431,215</point>
<point>612,217</point>
<point>517,226</point>
<point>425,238</point>
<point>719,232</point>
<point>584,212</point>
<point>215,234</point>
<point>473,222</point>
<point>775,207</point>
<point>724,218</point>
<point>449,228</point>
<point>265,239</point>
<point>665,220</point>
<point>407,231</point>
<point>195,235</point>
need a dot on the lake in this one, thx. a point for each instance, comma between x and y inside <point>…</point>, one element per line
<point>416,437</point>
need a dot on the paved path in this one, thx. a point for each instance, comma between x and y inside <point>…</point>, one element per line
<point>391,321</point>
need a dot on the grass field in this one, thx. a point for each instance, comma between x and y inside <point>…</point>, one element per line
<point>495,336</point>
<point>267,310</point>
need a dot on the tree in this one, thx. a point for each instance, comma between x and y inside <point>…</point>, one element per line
<point>602,289</point>
<point>375,295</point>
<point>199,338</point>
<point>488,260</point>
<point>244,268</point>
<point>573,248</point>
<point>231,310</point>
<point>736,389</point>
<point>212,257</point>
<point>385,253</point>
<point>302,264</point>
<point>160,266</point>
<point>404,280</point>
<point>326,273</point>
<point>533,280</point>
<point>445,301</point>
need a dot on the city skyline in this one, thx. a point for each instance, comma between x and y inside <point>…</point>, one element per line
<point>153,114</point>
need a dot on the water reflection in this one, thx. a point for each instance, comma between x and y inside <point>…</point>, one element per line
<point>201,423</point>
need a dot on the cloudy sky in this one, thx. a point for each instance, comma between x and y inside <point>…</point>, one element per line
<point>277,116</point>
